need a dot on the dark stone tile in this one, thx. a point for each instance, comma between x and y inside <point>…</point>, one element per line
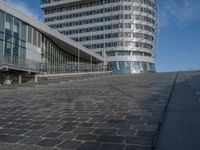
<point>113,139</point>
<point>137,147</point>
<point>19,132</point>
<point>83,119</point>
<point>145,133</point>
<point>6,131</point>
<point>52,134</point>
<point>89,146</point>
<point>51,128</point>
<point>68,136</point>
<point>23,126</point>
<point>36,127</point>
<point>139,140</point>
<point>38,122</point>
<point>69,144</point>
<point>105,131</point>
<point>53,123</point>
<point>86,124</point>
<point>68,119</point>
<point>98,116</point>
<point>67,128</point>
<point>97,120</point>
<point>11,125</point>
<point>35,133</point>
<point>86,137</point>
<point>83,130</point>
<point>49,142</point>
<point>69,123</point>
<point>126,132</point>
<point>112,147</point>
<point>31,140</point>
<point>10,138</point>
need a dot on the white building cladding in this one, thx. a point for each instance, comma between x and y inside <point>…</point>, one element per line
<point>28,45</point>
<point>125,29</point>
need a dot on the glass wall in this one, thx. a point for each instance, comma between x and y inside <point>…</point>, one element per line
<point>56,60</point>
<point>12,39</point>
<point>2,23</point>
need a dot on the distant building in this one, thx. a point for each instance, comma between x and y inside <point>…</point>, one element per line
<point>27,45</point>
<point>123,30</point>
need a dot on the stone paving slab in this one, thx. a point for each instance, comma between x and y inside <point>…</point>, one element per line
<point>112,112</point>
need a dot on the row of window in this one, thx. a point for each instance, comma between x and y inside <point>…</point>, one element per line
<point>120,44</point>
<point>109,27</point>
<point>114,35</point>
<point>131,66</point>
<point>126,53</point>
<point>99,11</point>
<point>144,27</point>
<point>71,7</point>
<point>143,36</point>
<point>103,19</point>
<point>49,1</point>
<point>34,37</point>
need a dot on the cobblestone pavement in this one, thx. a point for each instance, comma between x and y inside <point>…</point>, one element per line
<point>117,112</point>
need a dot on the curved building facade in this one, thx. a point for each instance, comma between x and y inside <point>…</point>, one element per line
<point>121,30</point>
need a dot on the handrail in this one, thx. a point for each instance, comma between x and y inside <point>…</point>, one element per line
<point>10,62</point>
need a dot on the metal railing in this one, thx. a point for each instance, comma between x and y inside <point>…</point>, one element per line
<point>15,63</point>
<point>71,67</point>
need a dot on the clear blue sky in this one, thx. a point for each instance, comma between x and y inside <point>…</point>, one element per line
<point>179,44</point>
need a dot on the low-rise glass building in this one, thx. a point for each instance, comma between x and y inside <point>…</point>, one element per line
<point>28,45</point>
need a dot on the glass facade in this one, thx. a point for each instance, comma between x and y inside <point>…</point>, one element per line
<point>119,27</point>
<point>12,39</point>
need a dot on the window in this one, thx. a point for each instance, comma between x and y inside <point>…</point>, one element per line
<point>2,21</point>
<point>123,53</point>
<point>34,37</point>
<point>29,34</point>
<point>16,28</point>
<point>1,48</point>
<point>39,39</point>
<point>15,52</point>
<point>22,55</point>
<point>23,31</point>
<point>8,24</point>
<point>8,47</point>
<point>1,35</point>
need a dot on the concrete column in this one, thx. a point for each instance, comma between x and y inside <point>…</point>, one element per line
<point>20,79</point>
<point>7,80</point>
<point>36,78</point>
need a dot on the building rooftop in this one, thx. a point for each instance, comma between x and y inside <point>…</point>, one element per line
<point>112,111</point>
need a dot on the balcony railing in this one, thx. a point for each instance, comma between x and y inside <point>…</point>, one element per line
<point>15,63</point>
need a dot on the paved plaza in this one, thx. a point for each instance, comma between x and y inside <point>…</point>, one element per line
<point>111,112</point>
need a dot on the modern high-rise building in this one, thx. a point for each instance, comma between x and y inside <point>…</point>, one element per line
<point>121,30</point>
